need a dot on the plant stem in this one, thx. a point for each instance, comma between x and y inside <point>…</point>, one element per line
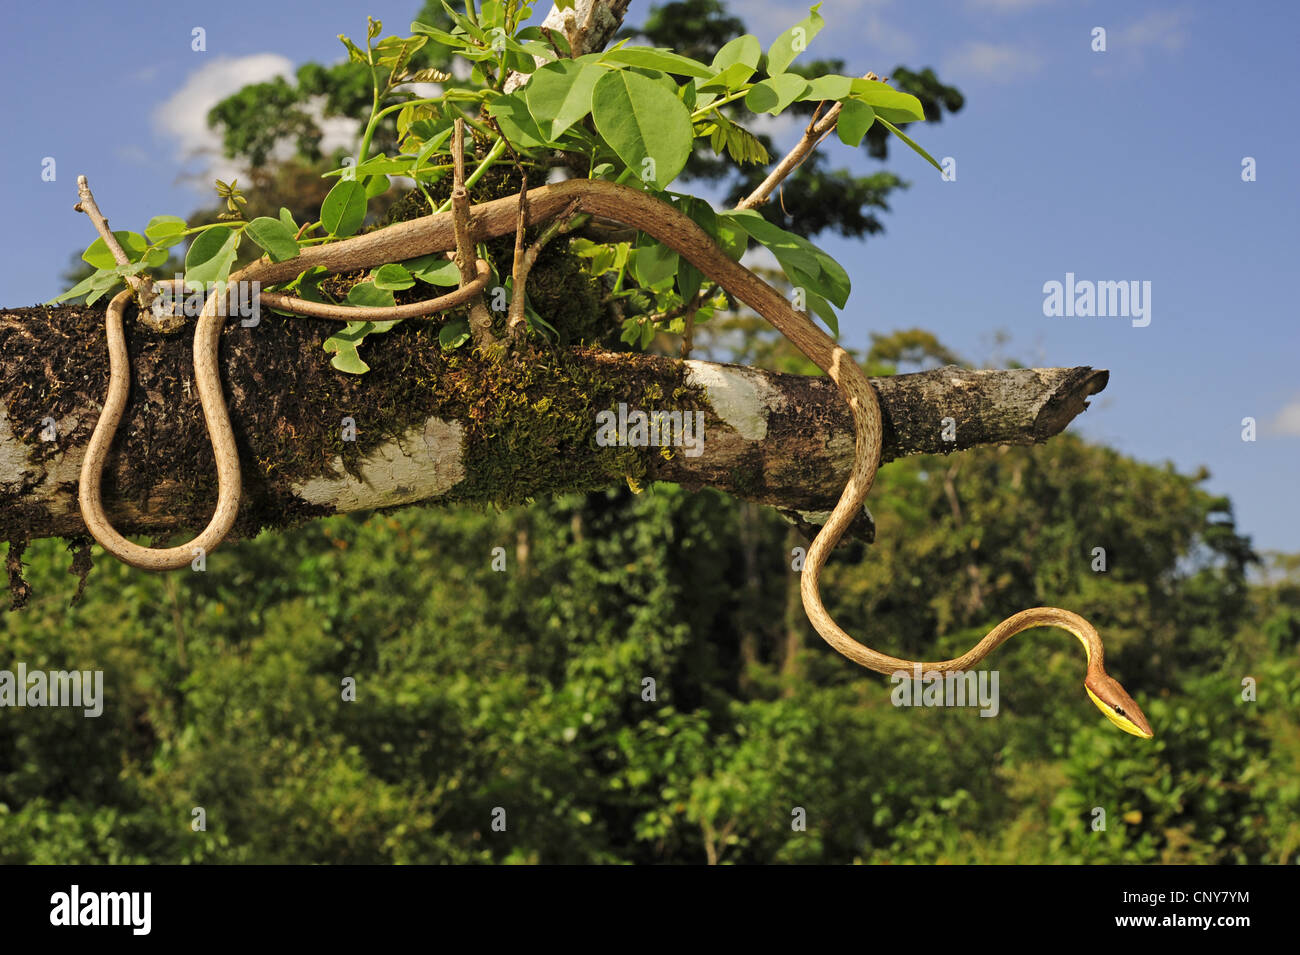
<point>375,113</point>
<point>488,161</point>
<point>729,98</point>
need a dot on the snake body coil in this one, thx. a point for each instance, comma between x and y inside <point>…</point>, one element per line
<point>500,217</point>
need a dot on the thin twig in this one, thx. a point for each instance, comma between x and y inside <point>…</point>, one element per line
<point>460,204</point>
<point>480,320</point>
<point>88,205</point>
<point>818,128</point>
<point>566,221</point>
<point>515,323</point>
<point>143,288</point>
<point>688,334</point>
<point>361,313</point>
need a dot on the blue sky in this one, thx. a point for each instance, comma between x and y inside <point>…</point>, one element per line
<point>1122,165</point>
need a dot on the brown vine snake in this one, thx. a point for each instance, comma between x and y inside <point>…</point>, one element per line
<point>499,217</point>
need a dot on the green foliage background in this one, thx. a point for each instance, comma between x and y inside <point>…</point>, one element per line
<point>522,688</point>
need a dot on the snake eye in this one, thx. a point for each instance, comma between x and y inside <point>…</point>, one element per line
<point>1120,711</point>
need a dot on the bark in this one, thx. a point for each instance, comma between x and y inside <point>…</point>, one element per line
<point>448,427</point>
<point>588,26</point>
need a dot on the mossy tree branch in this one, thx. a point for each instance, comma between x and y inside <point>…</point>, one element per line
<point>448,427</point>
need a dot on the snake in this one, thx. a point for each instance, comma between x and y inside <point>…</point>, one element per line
<point>677,231</point>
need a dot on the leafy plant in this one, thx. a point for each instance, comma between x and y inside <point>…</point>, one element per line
<point>630,114</point>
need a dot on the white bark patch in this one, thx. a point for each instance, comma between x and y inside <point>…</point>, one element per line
<point>16,467</point>
<point>424,463</point>
<point>741,397</point>
<point>13,454</point>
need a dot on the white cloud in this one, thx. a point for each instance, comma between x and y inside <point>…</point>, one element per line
<point>1287,421</point>
<point>182,119</point>
<point>1163,29</point>
<point>996,61</point>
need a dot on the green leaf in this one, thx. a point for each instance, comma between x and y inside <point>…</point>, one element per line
<point>453,40</point>
<point>96,283</point>
<point>286,217</point>
<point>344,208</point>
<point>133,244</point>
<point>559,95</point>
<point>393,278</point>
<point>373,166</point>
<point>829,87</point>
<point>167,241</point>
<point>653,263</point>
<point>273,236</point>
<point>160,226</point>
<point>369,295</point>
<point>344,345</point>
<point>516,122</point>
<point>99,290</point>
<point>889,103</point>
<point>907,139</point>
<point>822,309</point>
<point>732,237</point>
<point>435,269</point>
<point>640,120</point>
<point>855,119</point>
<point>793,41</point>
<point>465,23</point>
<point>211,255</point>
<point>689,278</point>
<point>804,264</point>
<point>728,80</point>
<point>743,146</point>
<point>355,54</point>
<point>396,52</point>
<point>655,58</point>
<point>775,93</point>
<point>454,334</point>
<point>631,331</point>
<point>308,285</point>
<point>743,49</point>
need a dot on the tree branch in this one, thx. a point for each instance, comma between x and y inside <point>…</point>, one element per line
<point>588,27</point>
<point>472,432</point>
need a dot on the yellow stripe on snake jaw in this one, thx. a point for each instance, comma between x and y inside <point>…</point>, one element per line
<point>499,217</point>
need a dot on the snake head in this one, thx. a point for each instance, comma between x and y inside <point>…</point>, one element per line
<point>1120,708</point>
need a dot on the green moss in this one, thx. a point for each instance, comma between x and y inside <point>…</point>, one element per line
<point>747,476</point>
